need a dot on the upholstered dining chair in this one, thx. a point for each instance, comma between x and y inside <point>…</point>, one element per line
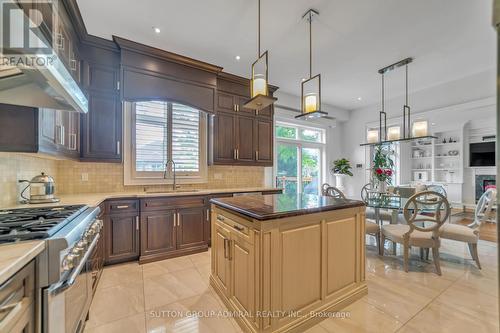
<point>371,227</point>
<point>470,234</point>
<point>384,215</point>
<point>421,230</point>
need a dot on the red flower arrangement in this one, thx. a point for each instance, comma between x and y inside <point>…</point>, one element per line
<point>383,164</point>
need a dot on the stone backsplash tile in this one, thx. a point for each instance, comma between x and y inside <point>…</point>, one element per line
<point>103,177</point>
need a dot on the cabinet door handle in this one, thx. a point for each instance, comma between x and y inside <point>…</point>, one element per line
<point>208,215</point>
<point>62,135</point>
<point>229,252</point>
<point>256,112</point>
<point>175,220</point>
<point>237,227</point>
<point>178,219</point>
<point>137,223</point>
<point>257,155</point>
<point>220,218</point>
<point>72,64</point>
<point>234,153</point>
<point>122,206</point>
<point>225,248</point>
<point>72,141</point>
<point>118,147</point>
<point>237,154</point>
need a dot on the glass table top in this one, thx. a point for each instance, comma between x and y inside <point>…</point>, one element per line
<point>396,202</point>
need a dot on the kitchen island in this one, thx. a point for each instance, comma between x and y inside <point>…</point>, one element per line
<point>284,262</point>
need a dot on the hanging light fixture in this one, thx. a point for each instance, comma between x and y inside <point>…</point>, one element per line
<point>419,129</point>
<point>259,84</point>
<point>310,92</point>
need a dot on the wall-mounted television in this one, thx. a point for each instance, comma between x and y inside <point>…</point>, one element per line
<point>482,154</point>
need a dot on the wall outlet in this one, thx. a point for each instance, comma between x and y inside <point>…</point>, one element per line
<point>218,176</point>
<point>84,177</point>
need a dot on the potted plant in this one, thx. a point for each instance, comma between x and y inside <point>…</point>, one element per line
<point>340,169</point>
<point>383,165</point>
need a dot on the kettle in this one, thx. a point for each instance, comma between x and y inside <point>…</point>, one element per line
<point>42,189</point>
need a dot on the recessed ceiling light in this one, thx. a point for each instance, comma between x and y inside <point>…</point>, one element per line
<point>433,124</point>
<point>237,57</point>
<point>156,29</point>
<point>359,98</point>
<point>303,79</point>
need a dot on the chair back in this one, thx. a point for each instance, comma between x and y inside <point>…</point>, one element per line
<point>405,192</point>
<point>324,187</point>
<point>365,192</point>
<point>484,207</point>
<point>426,211</point>
<point>334,192</point>
<point>437,188</point>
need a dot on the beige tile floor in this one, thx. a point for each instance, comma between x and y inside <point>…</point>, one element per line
<point>145,298</point>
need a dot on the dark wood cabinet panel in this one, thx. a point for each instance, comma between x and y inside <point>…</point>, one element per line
<point>224,144</point>
<point>245,134</point>
<point>264,141</point>
<point>122,238</point>
<point>226,102</point>
<point>240,101</point>
<point>266,112</point>
<point>101,78</point>
<point>102,128</point>
<point>158,232</point>
<point>190,227</point>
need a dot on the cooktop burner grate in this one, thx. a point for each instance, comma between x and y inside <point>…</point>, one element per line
<point>33,223</point>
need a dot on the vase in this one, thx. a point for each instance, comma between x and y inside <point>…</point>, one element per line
<point>339,181</point>
<point>382,187</point>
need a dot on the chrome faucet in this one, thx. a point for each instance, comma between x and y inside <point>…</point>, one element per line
<point>174,185</point>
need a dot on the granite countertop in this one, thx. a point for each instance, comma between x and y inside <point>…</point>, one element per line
<point>14,256</point>
<point>267,207</point>
<point>95,199</point>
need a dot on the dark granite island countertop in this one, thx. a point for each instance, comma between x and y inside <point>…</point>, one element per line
<point>275,206</point>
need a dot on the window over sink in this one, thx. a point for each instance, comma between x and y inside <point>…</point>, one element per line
<point>161,131</point>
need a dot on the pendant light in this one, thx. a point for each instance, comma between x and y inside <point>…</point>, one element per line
<point>310,91</point>
<point>419,129</point>
<point>259,84</point>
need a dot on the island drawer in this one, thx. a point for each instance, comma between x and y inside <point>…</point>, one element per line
<point>150,204</point>
<point>236,228</point>
<point>121,206</point>
<point>17,301</point>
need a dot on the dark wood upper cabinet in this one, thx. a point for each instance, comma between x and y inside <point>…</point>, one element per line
<point>223,141</point>
<point>263,139</point>
<point>101,78</point>
<point>158,232</point>
<point>245,134</point>
<point>122,237</point>
<point>237,135</point>
<point>32,130</point>
<point>102,129</point>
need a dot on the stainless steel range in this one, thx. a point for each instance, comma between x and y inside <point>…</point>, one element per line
<point>65,273</point>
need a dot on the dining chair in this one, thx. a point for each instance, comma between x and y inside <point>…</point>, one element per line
<point>470,234</point>
<point>384,214</point>
<point>421,230</point>
<point>371,227</point>
<point>334,192</point>
<point>324,187</point>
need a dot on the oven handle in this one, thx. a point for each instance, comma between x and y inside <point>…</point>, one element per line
<point>71,280</point>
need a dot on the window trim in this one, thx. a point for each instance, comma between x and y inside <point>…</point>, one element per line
<point>132,177</point>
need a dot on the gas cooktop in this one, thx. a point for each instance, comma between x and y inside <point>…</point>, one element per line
<point>35,223</point>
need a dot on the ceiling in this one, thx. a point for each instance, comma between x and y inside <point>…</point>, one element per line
<point>449,39</point>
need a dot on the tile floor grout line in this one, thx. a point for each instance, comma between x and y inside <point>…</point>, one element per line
<point>144,300</point>
<point>431,301</point>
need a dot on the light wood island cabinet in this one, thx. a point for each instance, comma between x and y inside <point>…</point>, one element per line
<point>284,262</point>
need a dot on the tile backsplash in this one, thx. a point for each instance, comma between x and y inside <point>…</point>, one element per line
<point>84,177</point>
<point>14,167</point>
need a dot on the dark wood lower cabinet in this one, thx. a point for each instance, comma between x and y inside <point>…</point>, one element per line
<point>190,227</point>
<point>122,238</point>
<point>158,233</point>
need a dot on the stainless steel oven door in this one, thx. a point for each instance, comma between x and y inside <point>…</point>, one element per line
<point>66,304</point>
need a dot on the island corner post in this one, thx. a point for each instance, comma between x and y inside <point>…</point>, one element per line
<point>287,271</point>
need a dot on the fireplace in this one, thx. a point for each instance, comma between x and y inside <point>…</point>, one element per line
<point>482,182</point>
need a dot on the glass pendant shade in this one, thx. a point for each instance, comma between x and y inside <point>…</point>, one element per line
<point>394,133</point>
<point>372,136</point>
<point>259,88</point>
<point>420,128</point>
<point>311,94</point>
